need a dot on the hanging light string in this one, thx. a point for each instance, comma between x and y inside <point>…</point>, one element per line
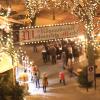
<point>84,10</point>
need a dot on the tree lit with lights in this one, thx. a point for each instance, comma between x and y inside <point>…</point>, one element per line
<point>86,12</point>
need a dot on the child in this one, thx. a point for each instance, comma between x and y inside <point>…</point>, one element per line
<point>62,77</point>
<point>45,81</point>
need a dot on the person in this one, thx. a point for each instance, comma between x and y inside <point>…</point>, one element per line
<point>33,71</point>
<point>34,68</point>
<point>44,55</point>
<point>63,59</point>
<point>37,78</point>
<point>70,53</point>
<point>53,54</point>
<point>65,49</point>
<point>45,82</point>
<point>70,71</point>
<point>62,77</point>
<point>75,54</point>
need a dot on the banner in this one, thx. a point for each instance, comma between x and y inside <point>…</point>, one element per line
<point>48,32</point>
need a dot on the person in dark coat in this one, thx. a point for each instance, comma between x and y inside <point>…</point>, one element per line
<point>53,54</point>
<point>63,57</point>
<point>44,55</point>
<point>75,54</point>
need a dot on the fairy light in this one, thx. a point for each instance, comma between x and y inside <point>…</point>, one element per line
<point>86,12</point>
<point>7,41</point>
<point>33,7</point>
<point>61,24</point>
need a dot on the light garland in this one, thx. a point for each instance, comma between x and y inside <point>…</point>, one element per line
<point>70,23</point>
<point>83,42</point>
<point>6,42</point>
<point>85,12</point>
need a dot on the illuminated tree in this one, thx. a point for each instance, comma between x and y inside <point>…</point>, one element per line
<point>85,10</point>
<point>33,8</point>
<point>10,89</point>
<point>6,42</point>
<point>54,5</point>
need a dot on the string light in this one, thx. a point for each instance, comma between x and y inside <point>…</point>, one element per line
<point>33,7</point>
<point>6,42</point>
<point>85,13</point>
<point>62,24</point>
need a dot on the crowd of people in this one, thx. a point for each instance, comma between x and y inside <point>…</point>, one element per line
<point>67,52</point>
<point>64,51</point>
